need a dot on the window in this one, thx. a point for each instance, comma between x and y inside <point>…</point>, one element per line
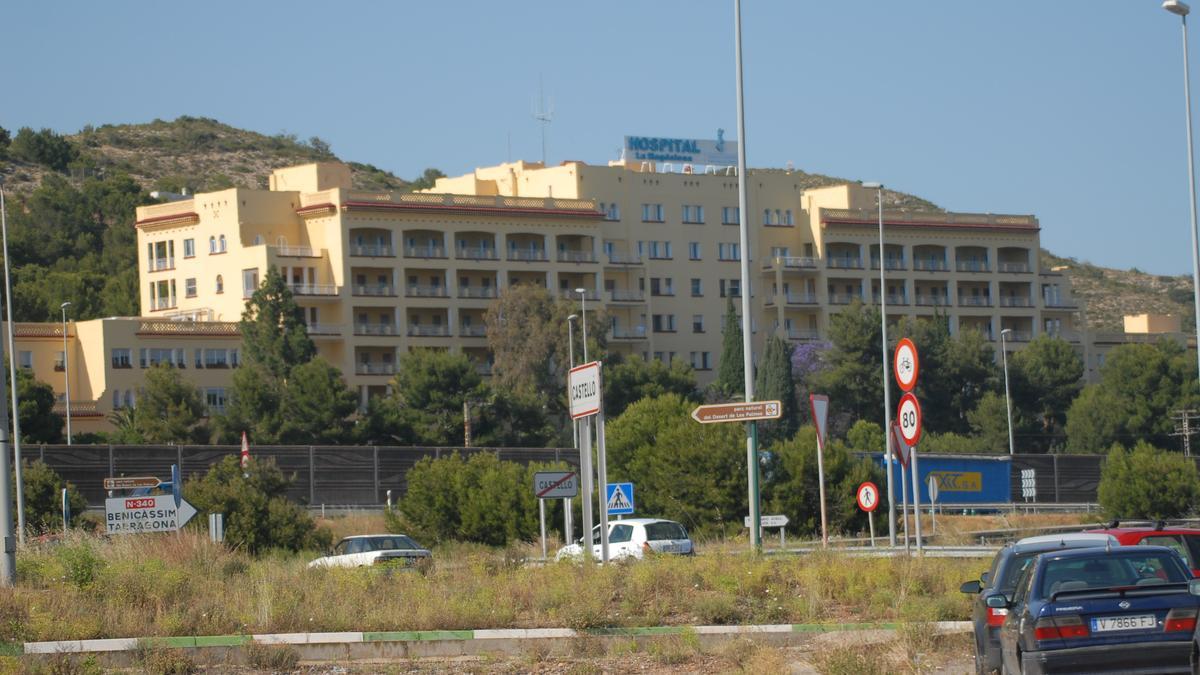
<point>701,360</point>
<point>610,210</point>
<point>664,323</point>
<point>620,534</point>
<point>212,244</point>
<point>697,288</point>
<point>25,359</point>
<point>249,282</point>
<point>693,214</point>
<point>661,250</point>
<point>59,361</point>
<point>729,215</point>
<point>729,251</point>
<point>116,400</point>
<point>189,287</point>
<point>122,357</point>
<point>148,358</point>
<point>693,250</point>
<point>787,217</point>
<point>214,397</point>
<point>697,323</point>
<point>652,213</point>
<point>221,244</point>
<point>189,248</point>
<point>220,284</point>
<point>130,400</point>
<point>663,286</point>
<point>216,358</point>
<point>732,287</point>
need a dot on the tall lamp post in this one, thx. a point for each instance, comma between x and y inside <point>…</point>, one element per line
<point>66,368</point>
<point>583,319</point>
<point>887,393</point>
<point>568,526</point>
<point>1007,401</point>
<point>12,377</point>
<point>1181,10</point>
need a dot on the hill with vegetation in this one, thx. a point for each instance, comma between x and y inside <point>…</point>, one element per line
<point>71,202</point>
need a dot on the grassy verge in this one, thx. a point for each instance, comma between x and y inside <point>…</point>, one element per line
<point>91,587</point>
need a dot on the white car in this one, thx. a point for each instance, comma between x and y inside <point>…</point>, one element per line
<point>365,550</point>
<point>634,538</point>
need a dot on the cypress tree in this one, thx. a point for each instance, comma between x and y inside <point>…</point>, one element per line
<point>774,382</point>
<point>731,374</point>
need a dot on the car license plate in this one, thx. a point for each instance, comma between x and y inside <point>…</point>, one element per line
<point>1103,624</point>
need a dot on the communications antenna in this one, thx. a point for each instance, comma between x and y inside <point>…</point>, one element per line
<point>544,115</point>
<point>1183,427</point>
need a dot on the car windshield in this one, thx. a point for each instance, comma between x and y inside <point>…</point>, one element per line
<point>664,530</point>
<point>1102,572</point>
<point>392,542</point>
<point>1019,563</point>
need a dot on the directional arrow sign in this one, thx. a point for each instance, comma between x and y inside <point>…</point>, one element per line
<point>131,482</point>
<point>157,513</point>
<point>738,412</point>
<point>768,521</point>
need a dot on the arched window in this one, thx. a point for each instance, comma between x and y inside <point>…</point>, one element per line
<point>281,240</point>
<point>212,244</point>
<point>221,244</point>
<point>116,399</point>
<point>130,401</point>
<point>220,284</point>
<point>258,240</point>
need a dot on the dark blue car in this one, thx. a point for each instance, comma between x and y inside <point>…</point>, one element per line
<point>1126,609</point>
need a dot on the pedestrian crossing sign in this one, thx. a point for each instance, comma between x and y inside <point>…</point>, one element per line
<point>619,499</point>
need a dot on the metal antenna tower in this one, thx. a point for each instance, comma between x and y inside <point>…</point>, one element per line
<point>1183,427</point>
<point>544,115</point>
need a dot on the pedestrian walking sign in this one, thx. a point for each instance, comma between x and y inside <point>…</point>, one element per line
<point>619,498</point>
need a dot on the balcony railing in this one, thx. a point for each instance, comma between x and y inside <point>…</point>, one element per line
<point>1013,267</point>
<point>157,264</point>
<point>375,329</point>
<point>1015,301</point>
<point>313,289</point>
<point>933,301</point>
<point>634,333</point>
<point>974,301</point>
<point>801,298</point>
<point>891,263</point>
<point>472,330</point>
<point>844,263</point>
<point>373,251</point>
<point>295,252</point>
<point>930,265</point>
<point>972,266</point>
<point>424,252</point>
<point>1059,303</point>
<point>525,255</point>
<point>375,369</point>
<point>324,329</point>
<point>425,291</point>
<point>476,292</point>
<point>577,256</point>
<point>568,294</point>
<point>1018,336</point>
<point>626,296</point>
<point>803,335</point>
<point>796,262</point>
<point>843,298</point>
<point>476,253</point>
<point>416,330</point>
<point>375,290</point>
<point>892,298</point>
<point>163,303</point>
<point>619,258</point>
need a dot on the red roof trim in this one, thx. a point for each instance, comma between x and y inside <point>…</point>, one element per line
<point>921,223</point>
<point>314,208</point>
<point>497,211</point>
<point>190,215</point>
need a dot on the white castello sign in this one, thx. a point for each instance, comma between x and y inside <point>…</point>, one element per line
<point>583,390</point>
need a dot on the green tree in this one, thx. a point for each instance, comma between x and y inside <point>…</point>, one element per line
<point>274,334</point>
<point>631,379</point>
<point>317,405</point>
<point>795,492</point>
<point>431,387</point>
<point>426,180</point>
<point>42,487</point>
<point>989,423</point>
<point>258,514</point>
<point>42,147</point>
<point>1095,420</point>
<point>865,436</point>
<point>509,419</point>
<point>693,473</point>
<point>1046,377</point>
<point>170,409</point>
<point>854,365</point>
<point>1147,482</point>
<point>775,383</point>
<point>731,371</point>
<point>35,400</point>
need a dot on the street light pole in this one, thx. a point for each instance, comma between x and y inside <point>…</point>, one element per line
<point>887,390</point>
<point>1007,401</point>
<point>12,372</point>
<point>66,369</point>
<point>583,319</point>
<point>568,526</point>
<point>1181,10</point>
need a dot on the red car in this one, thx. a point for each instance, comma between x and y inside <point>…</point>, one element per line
<point>1185,540</point>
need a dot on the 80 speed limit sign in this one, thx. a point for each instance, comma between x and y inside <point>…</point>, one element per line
<point>908,416</point>
<point>868,497</point>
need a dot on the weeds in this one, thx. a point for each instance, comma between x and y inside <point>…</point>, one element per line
<point>274,658</point>
<point>158,660</point>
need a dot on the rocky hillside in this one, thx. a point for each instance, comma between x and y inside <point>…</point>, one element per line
<point>1109,294</point>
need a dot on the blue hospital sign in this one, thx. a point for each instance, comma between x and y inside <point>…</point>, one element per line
<point>719,152</point>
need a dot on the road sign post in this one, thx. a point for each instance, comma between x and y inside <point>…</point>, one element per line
<point>583,392</point>
<point>820,413</point>
<point>766,522</point>
<point>932,484</point>
<point>554,485</point>
<point>902,451</point>
<point>868,500</point>
<point>916,485</point>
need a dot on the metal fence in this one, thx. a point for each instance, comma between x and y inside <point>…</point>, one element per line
<point>334,475</point>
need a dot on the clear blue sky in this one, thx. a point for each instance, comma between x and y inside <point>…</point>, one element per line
<point>1070,111</point>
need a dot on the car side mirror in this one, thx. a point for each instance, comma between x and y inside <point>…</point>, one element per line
<point>984,577</point>
<point>971,587</point>
<point>997,601</point>
<point>1194,586</point>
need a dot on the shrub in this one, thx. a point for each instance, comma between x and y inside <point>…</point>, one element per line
<point>258,514</point>
<point>43,498</point>
<point>1147,482</point>
<point>43,147</point>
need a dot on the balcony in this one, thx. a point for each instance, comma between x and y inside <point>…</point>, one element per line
<point>163,303</point>
<point>525,255</point>
<point>626,296</point>
<point>974,301</point>
<point>1018,336</point>
<point>801,298</point>
<point>577,256</point>
<point>796,262</point>
<point>618,258</point>
<point>417,330</point>
<point>1015,301</point>
<point>324,330</point>
<point>892,298</point>
<point>844,263</point>
<point>803,335</point>
<point>374,290</point>
<point>568,294</point>
<point>313,289</point>
<point>372,251</point>
<point>476,253</point>
<point>374,369</point>
<point>159,264</point>
<point>472,331</point>
<point>930,265</point>
<point>1016,267</point>
<point>843,298</point>
<point>1059,303</point>
<point>424,252</point>
<point>482,292</point>
<point>295,252</point>
<point>375,329</point>
<point>890,263</point>
<point>425,291</point>
<point>933,300</point>
<point>972,266</point>
<point>634,333</point>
